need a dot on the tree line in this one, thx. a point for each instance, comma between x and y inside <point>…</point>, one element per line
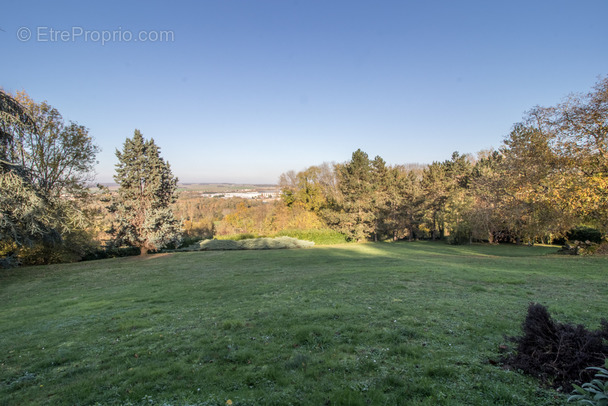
<point>549,175</point>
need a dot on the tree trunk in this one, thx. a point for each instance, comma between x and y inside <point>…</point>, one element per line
<point>143,251</point>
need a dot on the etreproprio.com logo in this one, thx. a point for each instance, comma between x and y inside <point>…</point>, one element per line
<point>79,34</point>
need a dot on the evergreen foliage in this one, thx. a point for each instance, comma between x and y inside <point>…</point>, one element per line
<point>147,188</point>
<point>355,212</point>
<point>26,215</point>
<point>584,233</point>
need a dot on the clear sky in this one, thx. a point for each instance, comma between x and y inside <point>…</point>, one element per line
<point>244,90</point>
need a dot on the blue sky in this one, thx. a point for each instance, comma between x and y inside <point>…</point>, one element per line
<point>244,90</point>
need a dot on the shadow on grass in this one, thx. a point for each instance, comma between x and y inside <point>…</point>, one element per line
<point>416,249</point>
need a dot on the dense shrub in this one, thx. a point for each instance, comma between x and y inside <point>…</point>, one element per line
<point>556,353</point>
<point>583,233</point>
<point>8,261</point>
<point>460,235</point>
<point>73,247</point>
<point>183,243</point>
<point>112,252</point>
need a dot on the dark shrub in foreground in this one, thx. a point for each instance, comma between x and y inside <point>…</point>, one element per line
<point>585,234</point>
<point>111,253</point>
<point>557,353</point>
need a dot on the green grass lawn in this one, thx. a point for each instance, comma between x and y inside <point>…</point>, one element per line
<point>373,324</point>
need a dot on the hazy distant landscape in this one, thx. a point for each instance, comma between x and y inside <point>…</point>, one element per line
<point>215,187</point>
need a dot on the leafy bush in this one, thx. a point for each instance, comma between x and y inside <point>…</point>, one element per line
<point>183,243</point>
<point>73,247</point>
<point>8,261</point>
<point>593,393</point>
<point>584,233</point>
<point>253,244</point>
<point>557,353</point>
<point>8,254</point>
<point>460,235</point>
<point>324,236</point>
<point>111,252</point>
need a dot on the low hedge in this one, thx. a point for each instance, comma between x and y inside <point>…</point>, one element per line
<point>111,253</point>
<point>324,236</point>
<point>251,244</point>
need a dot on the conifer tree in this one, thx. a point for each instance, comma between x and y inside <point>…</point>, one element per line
<point>147,188</point>
<point>25,215</point>
<point>356,213</point>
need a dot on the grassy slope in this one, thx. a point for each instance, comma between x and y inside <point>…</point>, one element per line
<point>411,323</point>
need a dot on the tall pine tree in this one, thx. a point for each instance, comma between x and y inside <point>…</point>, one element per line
<point>146,190</point>
<point>356,214</point>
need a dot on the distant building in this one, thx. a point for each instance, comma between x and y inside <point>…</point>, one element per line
<point>270,195</point>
